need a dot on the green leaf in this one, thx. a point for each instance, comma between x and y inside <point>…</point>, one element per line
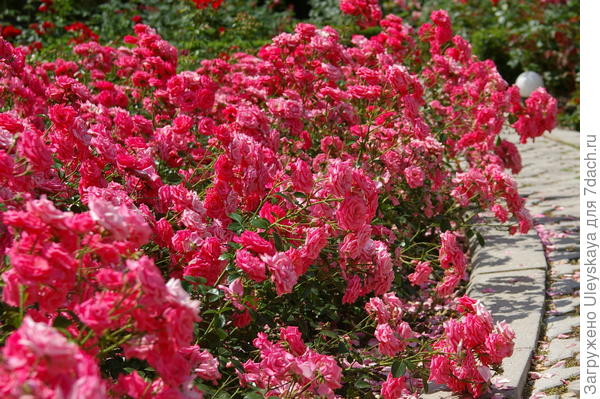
<point>237,217</point>
<point>61,322</point>
<point>253,395</point>
<point>342,348</point>
<point>221,333</point>
<point>445,224</point>
<point>362,384</point>
<point>480,239</point>
<point>235,245</point>
<point>260,223</point>
<point>329,333</point>
<point>195,279</point>
<point>226,256</point>
<point>398,368</point>
<point>278,242</point>
<point>235,227</point>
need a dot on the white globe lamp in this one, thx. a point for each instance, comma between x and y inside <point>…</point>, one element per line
<point>528,82</point>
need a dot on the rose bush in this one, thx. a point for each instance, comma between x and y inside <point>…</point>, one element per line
<point>541,36</point>
<point>286,224</point>
<point>518,35</point>
<point>198,28</point>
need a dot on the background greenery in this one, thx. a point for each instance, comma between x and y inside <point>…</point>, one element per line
<point>518,35</point>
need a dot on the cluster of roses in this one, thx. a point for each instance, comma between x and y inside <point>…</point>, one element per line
<point>469,347</point>
<point>119,177</point>
<point>289,369</point>
<point>368,12</point>
<point>200,4</point>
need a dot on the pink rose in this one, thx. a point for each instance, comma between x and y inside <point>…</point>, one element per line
<point>421,273</point>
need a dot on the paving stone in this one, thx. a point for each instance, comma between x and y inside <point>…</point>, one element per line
<point>565,305</point>
<point>552,378</point>
<point>569,243</point>
<point>565,286</point>
<point>437,391</point>
<point>574,386</point>
<point>565,136</point>
<point>556,325</point>
<point>561,349</point>
<point>563,256</point>
<point>566,268</point>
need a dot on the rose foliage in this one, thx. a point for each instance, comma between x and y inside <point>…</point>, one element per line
<point>290,224</point>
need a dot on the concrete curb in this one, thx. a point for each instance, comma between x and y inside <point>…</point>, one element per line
<point>509,278</point>
<point>515,268</point>
<point>509,273</point>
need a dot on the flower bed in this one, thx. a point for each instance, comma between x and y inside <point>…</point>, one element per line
<point>285,225</point>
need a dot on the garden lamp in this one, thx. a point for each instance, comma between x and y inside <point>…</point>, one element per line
<point>528,82</point>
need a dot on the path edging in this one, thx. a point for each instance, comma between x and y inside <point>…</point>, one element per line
<point>509,278</point>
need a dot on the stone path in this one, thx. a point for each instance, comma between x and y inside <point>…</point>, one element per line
<point>532,280</point>
<point>550,180</point>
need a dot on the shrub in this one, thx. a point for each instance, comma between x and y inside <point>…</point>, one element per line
<point>540,35</point>
<point>198,29</point>
<point>290,224</point>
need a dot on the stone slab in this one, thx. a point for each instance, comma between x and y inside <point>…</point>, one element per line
<point>565,268</point>
<point>510,272</point>
<point>574,386</point>
<point>563,257</point>
<point>565,305</point>
<point>565,286</point>
<point>560,349</point>
<point>565,136</point>
<point>505,253</point>
<point>516,297</point>
<point>557,325</point>
<point>553,378</point>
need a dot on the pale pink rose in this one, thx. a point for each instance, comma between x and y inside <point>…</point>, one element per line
<point>251,265</point>
<point>421,273</point>
<point>498,347</point>
<point>476,330</point>
<point>203,363</point>
<point>148,275</point>
<point>234,292</point>
<point>353,290</point>
<point>283,273</point>
<point>316,240</point>
<point>123,222</point>
<point>88,387</point>
<point>352,213</point>
<point>354,243</point>
<point>394,388</point>
<point>178,295</point>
